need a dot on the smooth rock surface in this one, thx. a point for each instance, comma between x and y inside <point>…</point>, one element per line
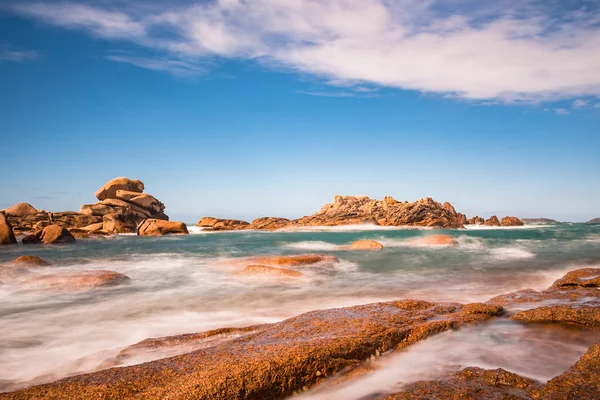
<point>157,227</point>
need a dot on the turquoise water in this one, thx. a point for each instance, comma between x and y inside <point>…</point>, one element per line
<point>180,284</point>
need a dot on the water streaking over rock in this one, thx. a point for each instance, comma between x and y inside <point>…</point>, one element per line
<point>183,284</point>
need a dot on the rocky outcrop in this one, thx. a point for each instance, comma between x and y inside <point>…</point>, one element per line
<point>125,204</point>
<point>7,235</point>
<point>75,281</point>
<point>511,221</point>
<point>266,271</point>
<point>365,245</point>
<point>31,261</point>
<point>218,224</point>
<point>276,361</point>
<point>492,221</point>
<point>539,221</point>
<point>157,227</point>
<point>270,223</point>
<point>21,210</point>
<point>594,221</point>
<point>476,221</point>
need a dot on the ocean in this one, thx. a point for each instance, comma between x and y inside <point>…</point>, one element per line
<point>181,284</point>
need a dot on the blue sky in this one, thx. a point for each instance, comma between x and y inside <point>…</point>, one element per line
<point>271,107</point>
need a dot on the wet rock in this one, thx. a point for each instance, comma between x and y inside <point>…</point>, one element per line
<point>587,313</point>
<point>366,245</point>
<point>285,261</point>
<point>473,384</point>
<point>576,286</point>
<point>118,223</point>
<point>511,221</point>
<point>56,234</point>
<point>266,271</point>
<point>436,240</point>
<point>30,261</point>
<point>21,209</point>
<point>583,278</point>
<point>76,280</point>
<point>580,382</point>
<point>33,238</point>
<point>157,227</point>
<point>492,221</point>
<point>7,235</point>
<point>109,190</point>
<point>274,362</point>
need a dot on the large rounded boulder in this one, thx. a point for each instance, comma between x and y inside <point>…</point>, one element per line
<point>366,245</point>
<point>7,235</point>
<point>30,261</point>
<point>56,234</point>
<point>21,210</point>
<point>109,190</point>
<point>159,227</point>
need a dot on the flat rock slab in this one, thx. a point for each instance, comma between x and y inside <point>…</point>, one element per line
<point>587,313</point>
<point>283,358</point>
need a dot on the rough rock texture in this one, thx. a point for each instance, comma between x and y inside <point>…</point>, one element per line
<point>587,313</point>
<point>580,382</point>
<point>492,221</point>
<point>347,210</point>
<point>157,227</point>
<point>42,219</point>
<point>284,261</point>
<point>266,271</point>
<point>56,234</point>
<point>435,240</point>
<point>576,286</point>
<point>275,362</point>
<point>30,260</point>
<point>76,280</point>
<point>476,221</point>
<point>217,224</point>
<point>118,223</point>
<point>365,245</point>
<point>109,190</point>
<point>473,384</point>
<point>7,235</point>
<point>94,227</point>
<point>21,209</point>
<point>511,221</point>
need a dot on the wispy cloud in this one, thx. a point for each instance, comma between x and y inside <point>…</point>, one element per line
<point>9,53</point>
<point>510,52</point>
<point>562,111</point>
<point>579,103</point>
<point>174,67</point>
<point>597,105</point>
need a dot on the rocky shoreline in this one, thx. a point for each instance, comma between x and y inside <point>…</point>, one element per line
<point>274,361</point>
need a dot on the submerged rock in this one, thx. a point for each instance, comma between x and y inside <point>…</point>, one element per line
<point>435,240</point>
<point>264,270</point>
<point>30,260</point>
<point>275,362</point>
<point>157,227</point>
<point>287,261</point>
<point>366,245</point>
<point>7,235</point>
<point>76,280</point>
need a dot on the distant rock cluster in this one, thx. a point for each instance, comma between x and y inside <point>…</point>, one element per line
<point>493,221</point>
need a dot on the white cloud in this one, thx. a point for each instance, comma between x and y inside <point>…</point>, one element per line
<point>507,51</point>
<point>562,111</point>
<point>597,105</point>
<point>175,67</point>
<point>9,53</point>
<point>579,103</point>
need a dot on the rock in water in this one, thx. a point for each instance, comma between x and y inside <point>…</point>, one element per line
<point>366,245</point>
<point>476,221</point>
<point>285,261</point>
<point>492,221</point>
<point>21,209</point>
<point>435,240</point>
<point>158,227</point>
<point>263,270</point>
<point>580,382</point>
<point>56,234</point>
<point>511,221</point>
<point>7,235</point>
<point>30,260</point>
<point>109,190</point>
<point>76,280</point>
<point>118,223</point>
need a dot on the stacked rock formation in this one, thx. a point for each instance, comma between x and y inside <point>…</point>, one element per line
<point>348,210</point>
<point>123,205</point>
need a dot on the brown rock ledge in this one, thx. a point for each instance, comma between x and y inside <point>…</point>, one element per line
<point>275,362</point>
